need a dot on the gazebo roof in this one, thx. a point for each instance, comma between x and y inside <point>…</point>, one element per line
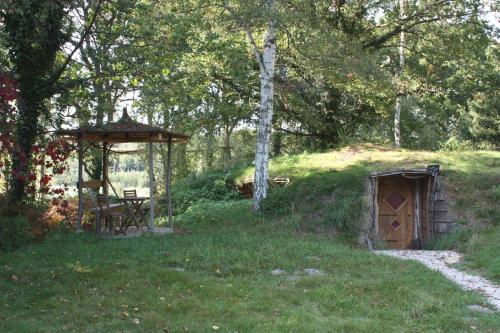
<point>123,130</point>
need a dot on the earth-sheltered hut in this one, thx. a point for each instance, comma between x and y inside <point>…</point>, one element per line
<point>124,130</point>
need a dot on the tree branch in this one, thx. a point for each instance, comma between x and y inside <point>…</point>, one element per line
<point>57,74</point>
<point>246,28</point>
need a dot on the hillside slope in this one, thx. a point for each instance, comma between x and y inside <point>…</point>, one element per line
<point>326,194</point>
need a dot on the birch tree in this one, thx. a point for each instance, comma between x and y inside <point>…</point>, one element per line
<point>266,59</point>
<point>399,97</point>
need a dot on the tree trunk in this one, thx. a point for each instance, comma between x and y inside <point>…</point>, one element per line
<point>226,150</point>
<point>277,142</point>
<point>210,155</point>
<point>33,33</point>
<point>95,153</point>
<point>168,173</point>
<point>267,63</point>
<point>26,133</point>
<point>399,97</point>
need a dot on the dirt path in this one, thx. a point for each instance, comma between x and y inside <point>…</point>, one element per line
<point>439,261</point>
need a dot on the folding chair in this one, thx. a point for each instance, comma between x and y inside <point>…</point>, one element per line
<point>142,210</point>
<point>111,216</point>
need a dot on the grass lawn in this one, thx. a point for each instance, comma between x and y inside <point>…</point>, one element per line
<point>215,273</point>
<point>483,253</point>
<point>79,283</point>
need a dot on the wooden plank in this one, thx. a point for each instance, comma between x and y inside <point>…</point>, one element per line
<point>418,222</point>
<point>426,210</point>
<point>92,184</point>
<point>442,216</point>
<point>443,227</point>
<point>111,207</point>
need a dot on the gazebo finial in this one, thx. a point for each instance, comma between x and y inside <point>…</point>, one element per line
<point>125,116</point>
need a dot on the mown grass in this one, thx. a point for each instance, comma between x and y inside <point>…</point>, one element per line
<point>79,283</point>
<point>483,251</point>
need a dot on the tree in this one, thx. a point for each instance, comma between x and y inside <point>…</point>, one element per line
<point>266,60</point>
<point>105,56</point>
<point>35,31</point>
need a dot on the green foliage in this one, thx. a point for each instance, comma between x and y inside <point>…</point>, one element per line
<point>14,232</point>
<point>206,187</point>
<point>218,213</point>
<point>456,144</point>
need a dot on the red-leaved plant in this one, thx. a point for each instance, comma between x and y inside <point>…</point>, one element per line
<point>47,154</point>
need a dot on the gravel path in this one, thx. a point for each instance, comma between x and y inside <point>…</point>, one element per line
<point>439,261</point>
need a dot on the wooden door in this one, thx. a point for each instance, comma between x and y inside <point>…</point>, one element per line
<point>396,211</point>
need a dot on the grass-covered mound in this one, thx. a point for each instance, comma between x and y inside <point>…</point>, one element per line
<point>326,195</point>
<point>472,177</point>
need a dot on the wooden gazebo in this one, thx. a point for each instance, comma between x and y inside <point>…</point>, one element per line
<point>124,130</point>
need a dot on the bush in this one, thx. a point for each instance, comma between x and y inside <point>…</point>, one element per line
<point>207,187</point>
<point>455,144</point>
<point>219,213</point>
<point>14,232</point>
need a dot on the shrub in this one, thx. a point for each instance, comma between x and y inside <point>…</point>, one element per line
<point>14,232</point>
<point>207,212</point>
<point>207,187</point>
<point>456,144</point>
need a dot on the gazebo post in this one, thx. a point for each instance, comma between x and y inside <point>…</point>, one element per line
<point>151,190</point>
<point>80,181</point>
<point>169,177</point>
<point>105,163</point>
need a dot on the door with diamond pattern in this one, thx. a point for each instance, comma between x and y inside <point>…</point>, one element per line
<point>396,211</point>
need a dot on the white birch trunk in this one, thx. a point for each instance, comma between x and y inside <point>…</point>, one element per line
<point>267,63</point>
<point>399,97</point>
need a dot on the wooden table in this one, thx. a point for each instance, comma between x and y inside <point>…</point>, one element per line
<point>134,208</point>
